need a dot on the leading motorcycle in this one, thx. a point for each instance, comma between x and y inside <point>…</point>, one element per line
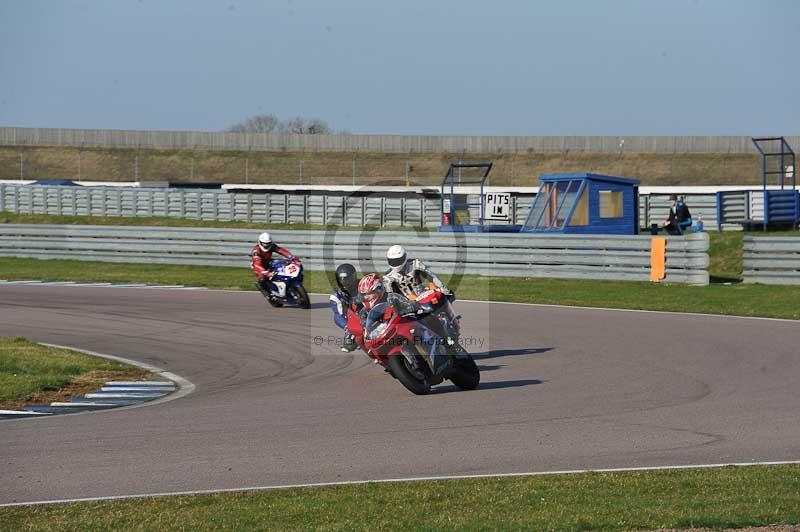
<point>402,336</point>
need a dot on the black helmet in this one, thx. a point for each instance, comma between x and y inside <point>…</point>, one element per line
<point>346,278</point>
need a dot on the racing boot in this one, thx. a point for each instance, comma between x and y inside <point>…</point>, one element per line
<point>264,287</point>
<point>349,343</point>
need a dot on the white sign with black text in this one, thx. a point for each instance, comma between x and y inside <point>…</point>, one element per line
<point>497,206</point>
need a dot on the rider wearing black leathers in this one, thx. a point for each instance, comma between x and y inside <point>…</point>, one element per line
<point>344,298</point>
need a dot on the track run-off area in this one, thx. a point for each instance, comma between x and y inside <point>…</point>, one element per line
<point>277,403</point>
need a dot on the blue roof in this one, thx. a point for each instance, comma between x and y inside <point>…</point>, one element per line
<point>589,176</point>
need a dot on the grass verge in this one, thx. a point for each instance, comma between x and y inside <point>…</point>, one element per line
<point>319,167</point>
<point>730,497</point>
<point>739,300</point>
<point>32,373</point>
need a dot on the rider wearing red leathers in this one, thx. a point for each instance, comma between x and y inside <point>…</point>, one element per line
<point>261,262</point>
<point>370,293</point>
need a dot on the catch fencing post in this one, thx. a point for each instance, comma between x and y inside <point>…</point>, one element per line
<point>247,166</point>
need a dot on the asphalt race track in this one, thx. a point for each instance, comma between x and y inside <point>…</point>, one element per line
<point>561,389</point>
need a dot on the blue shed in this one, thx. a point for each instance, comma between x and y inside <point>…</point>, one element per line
<point>585,204</point>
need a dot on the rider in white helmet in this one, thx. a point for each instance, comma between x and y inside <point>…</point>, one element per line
<point>406,274</point>
<point>261,261</point>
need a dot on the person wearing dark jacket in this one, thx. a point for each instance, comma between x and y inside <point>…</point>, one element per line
<point>343,299</point>
<point>679,219</point>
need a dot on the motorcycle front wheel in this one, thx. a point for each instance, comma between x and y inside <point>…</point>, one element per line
<point>465,374</point>
<point>302,297</point>
<point>416,379</point>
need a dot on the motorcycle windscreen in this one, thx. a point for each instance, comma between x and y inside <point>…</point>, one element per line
<point>287,269</point>
<point>376,324</point>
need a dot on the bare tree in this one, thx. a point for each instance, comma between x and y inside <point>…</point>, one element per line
<point>269,123</point>
<point>294,125</point>
<point>300,126</point>
<point>317,126</point>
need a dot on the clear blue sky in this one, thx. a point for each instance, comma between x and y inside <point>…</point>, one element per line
<point>561,67</point>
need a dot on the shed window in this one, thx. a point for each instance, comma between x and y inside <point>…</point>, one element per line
<point>610,204</point>
<point>580,215</point>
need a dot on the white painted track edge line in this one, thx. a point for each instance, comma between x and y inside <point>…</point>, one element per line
<point>184,386</point>
<point>400,480</point>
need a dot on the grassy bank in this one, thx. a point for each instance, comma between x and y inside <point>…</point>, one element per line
<point>731,497</point>
<point>32,373</point>
<point>739,300</point>
<point>287,167</point>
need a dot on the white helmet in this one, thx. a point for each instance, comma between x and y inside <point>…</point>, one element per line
<point>264,241</point>
<point>396,256</point>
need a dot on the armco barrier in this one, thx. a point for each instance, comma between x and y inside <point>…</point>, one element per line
<point>318,207</point>
<point>554,256</point>
<point>771,259</point>
<point>216,205</point>
<point>654,208</point>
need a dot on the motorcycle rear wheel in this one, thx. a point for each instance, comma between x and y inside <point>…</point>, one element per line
<point>405,373</point>
<point>465,374</point>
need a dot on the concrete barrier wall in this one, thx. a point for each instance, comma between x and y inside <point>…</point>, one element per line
<point>771,260</point>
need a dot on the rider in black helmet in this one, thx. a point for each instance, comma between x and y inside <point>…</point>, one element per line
<point>344,298</point>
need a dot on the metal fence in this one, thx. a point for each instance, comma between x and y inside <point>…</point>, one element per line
<point>215,205</point>
<point>378,209</point>
<point>654,208</point>
<point>450,254</point>
<point>383,210</point>
<point>373,143</point>
<point>771,260</point>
